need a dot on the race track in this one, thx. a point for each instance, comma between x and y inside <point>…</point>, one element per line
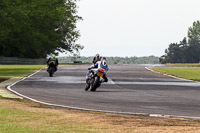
<point>131,88</point>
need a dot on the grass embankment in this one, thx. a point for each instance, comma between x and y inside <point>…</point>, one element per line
<point>192,73</point>
<point>18,116</point>
<point>9,71</point>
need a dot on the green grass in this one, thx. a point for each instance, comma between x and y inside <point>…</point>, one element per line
<point>7,124</point>
<point>192,73</point>
<point>187,64</point>
<point>8,71</point>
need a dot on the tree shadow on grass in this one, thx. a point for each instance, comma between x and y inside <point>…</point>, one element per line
<point>3,79</point>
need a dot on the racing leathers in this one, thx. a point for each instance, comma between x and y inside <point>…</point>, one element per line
<point>52,60</point>
<point>96,59</point>
<point>100,65</point>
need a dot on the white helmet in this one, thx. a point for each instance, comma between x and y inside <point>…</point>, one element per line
<point>103,60</point>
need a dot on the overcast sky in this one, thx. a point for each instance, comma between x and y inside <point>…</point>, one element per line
<point>134,27</point>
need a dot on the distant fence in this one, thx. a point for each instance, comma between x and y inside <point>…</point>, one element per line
<point>13,60</point>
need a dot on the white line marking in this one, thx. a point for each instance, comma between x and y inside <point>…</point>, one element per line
<point>167,75</point>
<point>192,84</point>
<point>110,81</point>
<point>9,87</point>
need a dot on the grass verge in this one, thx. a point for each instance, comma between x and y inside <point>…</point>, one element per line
<point>191,73</point>
<point>185,64</point>
<point>25,116</point>
<point>8,71</point>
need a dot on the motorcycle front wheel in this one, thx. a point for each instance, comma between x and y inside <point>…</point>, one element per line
<point>87,86</point>
<point>95,84</point>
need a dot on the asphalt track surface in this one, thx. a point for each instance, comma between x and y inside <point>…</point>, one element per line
<point>131,88</point>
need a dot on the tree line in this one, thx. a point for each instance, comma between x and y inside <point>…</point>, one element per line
<point>113,60</point>
<point>187,50</point>
<point>37,28</point>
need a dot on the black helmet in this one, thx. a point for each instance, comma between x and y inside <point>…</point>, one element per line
<point>103,58</point>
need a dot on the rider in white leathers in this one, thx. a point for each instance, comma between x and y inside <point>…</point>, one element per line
<point>102,65</point>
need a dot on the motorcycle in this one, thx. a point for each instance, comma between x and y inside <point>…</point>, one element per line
<point>52,69</point>
<point>93,79</point>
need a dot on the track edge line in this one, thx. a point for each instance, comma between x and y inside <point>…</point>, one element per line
<point>168,75</point>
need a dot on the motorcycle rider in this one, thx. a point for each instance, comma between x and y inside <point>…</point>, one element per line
<point>99,65</point>
<point>96,58</point>
<point>53,60</point>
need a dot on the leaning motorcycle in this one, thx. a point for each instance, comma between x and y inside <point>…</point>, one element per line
<point>51,69</point>
<point>93,79</point>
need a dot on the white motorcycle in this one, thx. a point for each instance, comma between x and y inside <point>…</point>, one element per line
<point>94,79</point>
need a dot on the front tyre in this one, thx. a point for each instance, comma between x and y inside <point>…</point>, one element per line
<point>95,84</point>
<point>87,87</point>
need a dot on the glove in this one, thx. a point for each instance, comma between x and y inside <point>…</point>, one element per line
<point>89,68</point>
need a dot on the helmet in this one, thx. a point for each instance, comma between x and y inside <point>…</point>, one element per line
<point>103,60</point>
<point>53,57</point>
<point>97,54</point>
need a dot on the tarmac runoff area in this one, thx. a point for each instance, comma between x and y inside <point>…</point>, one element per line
<point>132,89</point>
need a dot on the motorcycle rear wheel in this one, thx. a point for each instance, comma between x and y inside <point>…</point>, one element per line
<point>50,72</point>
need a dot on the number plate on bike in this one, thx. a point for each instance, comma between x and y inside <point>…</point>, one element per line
<point>100,74</point>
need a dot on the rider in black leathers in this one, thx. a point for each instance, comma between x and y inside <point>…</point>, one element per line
<point>96,59</point>
<point>53,60</point>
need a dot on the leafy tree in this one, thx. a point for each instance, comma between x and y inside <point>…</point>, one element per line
<point>173,53</point>
<point>187,51</point>
<point>193,51</point>
<point>35,28</point>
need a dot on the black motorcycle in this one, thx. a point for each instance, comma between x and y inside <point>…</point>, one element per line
<point>94,78</point>
<point>52,69</point>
